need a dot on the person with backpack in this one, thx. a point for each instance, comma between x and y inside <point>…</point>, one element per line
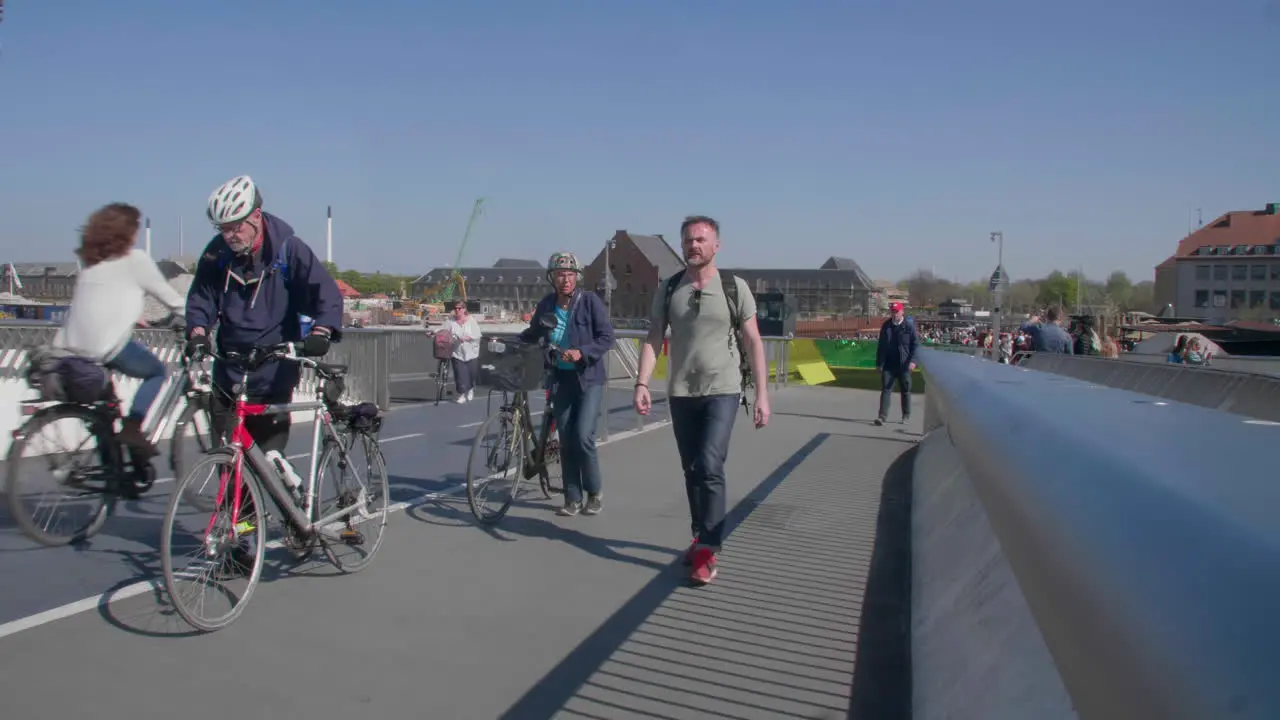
<point>584,334</point>
<point>255,281</point>
<point>715,353</point>
<point>896,359</point>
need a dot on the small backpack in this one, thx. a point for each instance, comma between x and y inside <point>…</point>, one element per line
<point>730,283</point>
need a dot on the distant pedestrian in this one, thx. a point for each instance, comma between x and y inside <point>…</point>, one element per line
<point>465,332</point>
<point>895,359</point>
<point>712,316</point>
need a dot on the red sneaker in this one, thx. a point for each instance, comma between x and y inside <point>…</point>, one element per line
<point>688,554</point>
<point>704,566</point>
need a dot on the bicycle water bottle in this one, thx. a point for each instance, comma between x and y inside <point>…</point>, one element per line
<point>285,469</point>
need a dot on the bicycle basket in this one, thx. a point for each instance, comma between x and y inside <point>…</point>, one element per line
<point>520,368</point>
<point>442,344</point>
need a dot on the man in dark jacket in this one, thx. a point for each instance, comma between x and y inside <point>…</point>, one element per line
<point>895,359</point>
<point>254,281</point>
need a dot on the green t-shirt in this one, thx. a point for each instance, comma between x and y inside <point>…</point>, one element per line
<point>703,357</point>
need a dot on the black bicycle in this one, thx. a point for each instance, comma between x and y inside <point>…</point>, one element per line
<point>89,490</point>
<point>506,450</point>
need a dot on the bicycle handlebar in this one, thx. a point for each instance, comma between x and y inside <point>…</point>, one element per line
<point>258,356</point>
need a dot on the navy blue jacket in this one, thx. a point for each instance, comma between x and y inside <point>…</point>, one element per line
<point>244,321</point>
<point>589,331</point>
<point>897,348</point>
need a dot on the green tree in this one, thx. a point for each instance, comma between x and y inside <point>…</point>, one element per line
<point>1057,288</point>
<point>1120,289</point>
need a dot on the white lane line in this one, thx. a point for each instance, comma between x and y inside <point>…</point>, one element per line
<point>75,608</point>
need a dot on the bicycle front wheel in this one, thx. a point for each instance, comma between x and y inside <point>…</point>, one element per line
<point>225,557</point>
<point>354,478</point>
<point>496,466</point>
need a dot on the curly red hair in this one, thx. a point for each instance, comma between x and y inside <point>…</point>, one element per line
<point>109,233</point>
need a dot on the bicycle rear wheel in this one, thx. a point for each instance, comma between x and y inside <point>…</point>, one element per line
<point>89,485</point>
<point>496,462</point>
<point>233,554</point>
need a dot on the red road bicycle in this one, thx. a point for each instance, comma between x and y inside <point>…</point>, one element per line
<point>230,527</point>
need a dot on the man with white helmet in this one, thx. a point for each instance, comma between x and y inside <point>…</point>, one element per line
<point>255,281</point>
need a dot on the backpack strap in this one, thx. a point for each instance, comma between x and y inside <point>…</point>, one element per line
<point>668,290</point>
<point>281,263</point>
<point>282,260</point>
<point>730,284</point>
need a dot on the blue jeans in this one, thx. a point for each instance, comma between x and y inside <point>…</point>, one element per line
<point>136,361</point>
<point>703,426</point>
<point>576,409</point>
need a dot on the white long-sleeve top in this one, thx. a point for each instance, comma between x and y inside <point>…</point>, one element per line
<point>108,302</point>
<point>466,339</point>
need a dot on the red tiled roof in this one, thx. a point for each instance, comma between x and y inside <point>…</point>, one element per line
<point>1239,227</point>
<point>347,291</point>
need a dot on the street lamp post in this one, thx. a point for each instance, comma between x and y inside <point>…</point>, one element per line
<point>999,280</point>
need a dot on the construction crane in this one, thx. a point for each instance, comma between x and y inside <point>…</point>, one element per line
<point>444,290</point>
<point>458,282</point>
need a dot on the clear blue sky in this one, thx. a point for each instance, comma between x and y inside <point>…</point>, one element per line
<point>896,133</point>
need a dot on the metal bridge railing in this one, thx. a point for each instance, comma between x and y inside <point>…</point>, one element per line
<point>1143,535</point>
<point>377,358</point>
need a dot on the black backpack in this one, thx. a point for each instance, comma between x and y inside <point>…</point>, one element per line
<point>730,284</point>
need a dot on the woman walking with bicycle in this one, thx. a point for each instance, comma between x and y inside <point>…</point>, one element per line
<point>583,331</point>
<point>465,332</point>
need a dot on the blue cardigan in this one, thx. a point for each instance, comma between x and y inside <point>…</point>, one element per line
<point>589,331</point>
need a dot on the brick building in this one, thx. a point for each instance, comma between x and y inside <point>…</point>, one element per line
<point>1226,270</point>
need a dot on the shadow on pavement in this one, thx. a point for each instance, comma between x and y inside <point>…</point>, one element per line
<point>512,526</point>
<point>882,677</point>
<point>880,685</point>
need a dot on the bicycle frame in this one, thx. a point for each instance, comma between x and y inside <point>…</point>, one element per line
<point>189,382</point>
<point>246,449</point>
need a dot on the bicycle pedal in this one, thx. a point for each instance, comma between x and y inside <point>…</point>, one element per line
<point>352,537</point>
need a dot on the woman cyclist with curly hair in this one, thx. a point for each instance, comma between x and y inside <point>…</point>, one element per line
<point>108,302</point>
<point>585,335</point>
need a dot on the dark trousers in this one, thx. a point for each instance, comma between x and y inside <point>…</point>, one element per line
<point>887,379</point>
<point>464,374</point>
<point>269,432</point>
<point>576,409</point>
<point>702,426</point>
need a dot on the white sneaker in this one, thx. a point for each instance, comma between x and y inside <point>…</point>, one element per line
<point>471,394</point>
<point>460,399</point>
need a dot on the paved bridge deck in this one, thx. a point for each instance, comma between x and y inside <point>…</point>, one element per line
<point>586,617</point>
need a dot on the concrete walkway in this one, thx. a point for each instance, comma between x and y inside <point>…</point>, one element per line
<point>546,616</point>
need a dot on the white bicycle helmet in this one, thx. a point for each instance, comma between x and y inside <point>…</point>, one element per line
<point>234,200</point>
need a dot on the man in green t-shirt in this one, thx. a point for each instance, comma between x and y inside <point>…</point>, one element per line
<point>704,378</point>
